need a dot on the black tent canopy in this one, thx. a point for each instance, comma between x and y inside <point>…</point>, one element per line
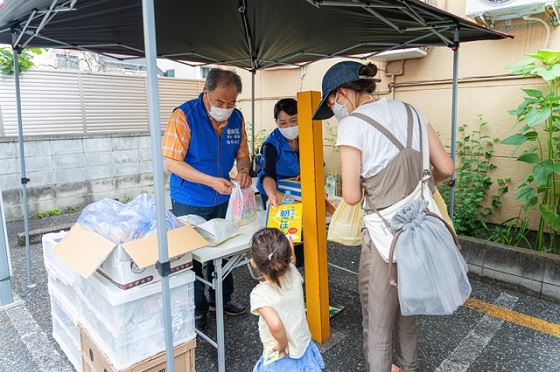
<point>252,34</point>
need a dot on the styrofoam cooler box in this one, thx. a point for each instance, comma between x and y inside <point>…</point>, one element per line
<point>128,325</point>
<point>65,328</point>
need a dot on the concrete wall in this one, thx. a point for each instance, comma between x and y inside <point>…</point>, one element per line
<point>72,171</point>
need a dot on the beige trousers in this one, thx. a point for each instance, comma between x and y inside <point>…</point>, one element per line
<point>382,316</point>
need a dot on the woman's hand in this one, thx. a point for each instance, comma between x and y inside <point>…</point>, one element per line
<point>273,200</point>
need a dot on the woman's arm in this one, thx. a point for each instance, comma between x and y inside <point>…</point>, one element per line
<point>442,164</point>
<point>276,328</point>
<point>351,163</point>
<point>268,178</point>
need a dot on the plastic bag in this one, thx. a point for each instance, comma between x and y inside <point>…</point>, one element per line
<point>432,274</point>
<point>346,224</point>
<point>121,223</point>
<point>217,230</point>
<point>242,207</point>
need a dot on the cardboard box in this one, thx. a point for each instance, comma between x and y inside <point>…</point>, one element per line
<point>129,264</point>
<point>94,360</point>
<point>290,184</point>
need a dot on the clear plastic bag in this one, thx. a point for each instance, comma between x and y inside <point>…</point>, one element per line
<point>242,207</point>
<point>122,223</point>
<point>346,224</point>
<point>432,274</point>
<point>217,230</point>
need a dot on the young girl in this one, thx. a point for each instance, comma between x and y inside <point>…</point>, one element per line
<point>278,300</point>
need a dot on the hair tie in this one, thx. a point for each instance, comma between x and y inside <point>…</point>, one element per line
<point>270,256</point>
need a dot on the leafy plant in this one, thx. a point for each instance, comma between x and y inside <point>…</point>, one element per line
<point>49,213</point>
<point>473,182</point>
<point>331,132</point>
<point>512,232</point>
<point>24,60</point>
<point>538,128</point>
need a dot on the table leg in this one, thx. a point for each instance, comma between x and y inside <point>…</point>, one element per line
<point>217,282</point>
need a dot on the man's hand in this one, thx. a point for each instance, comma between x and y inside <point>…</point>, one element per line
<point>222,185</point>
<point>243,179</point>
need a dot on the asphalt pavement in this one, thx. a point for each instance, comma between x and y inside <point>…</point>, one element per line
<point>496,330</point>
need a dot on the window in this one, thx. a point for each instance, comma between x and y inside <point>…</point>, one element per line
<point>67,61</point>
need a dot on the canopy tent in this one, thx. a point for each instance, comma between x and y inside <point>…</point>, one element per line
<point>244,33</point>
<point>251,34</point>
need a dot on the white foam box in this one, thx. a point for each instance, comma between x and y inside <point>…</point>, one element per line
<point>128,326</point>
<point>126,265</point>
<point>290,184</point>
<point>95,360</point>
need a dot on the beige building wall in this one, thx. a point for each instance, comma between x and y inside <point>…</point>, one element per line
<point>485,89</point>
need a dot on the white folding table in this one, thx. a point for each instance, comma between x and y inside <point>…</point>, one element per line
<point>235,251</point>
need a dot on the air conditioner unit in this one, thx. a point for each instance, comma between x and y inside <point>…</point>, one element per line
<point>396,54</point>
<point>496,10</point>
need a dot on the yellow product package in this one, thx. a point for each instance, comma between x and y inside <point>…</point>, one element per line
<point>287,218</point>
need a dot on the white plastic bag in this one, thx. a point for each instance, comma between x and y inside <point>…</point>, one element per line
<point>242,207</point>
<point>217,230</point>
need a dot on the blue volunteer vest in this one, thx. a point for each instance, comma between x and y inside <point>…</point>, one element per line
<point>287,162</point>
<point>209,153</point>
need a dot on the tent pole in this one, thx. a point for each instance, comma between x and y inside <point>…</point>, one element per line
<point>253,113</point>
<point>24,179</point>
<point>163,265</point>
<point>454,104</point>
<point>5,272</point>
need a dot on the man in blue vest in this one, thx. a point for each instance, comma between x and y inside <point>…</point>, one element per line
<point>203,139</point>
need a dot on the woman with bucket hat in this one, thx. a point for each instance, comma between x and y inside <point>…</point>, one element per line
<point>372,162</point>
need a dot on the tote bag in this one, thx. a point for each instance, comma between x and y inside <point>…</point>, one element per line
<point>379,226</point>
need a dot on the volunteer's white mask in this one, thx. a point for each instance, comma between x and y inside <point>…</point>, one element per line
<point>290,132</point>
<point>340,111</point>
<point>218,113</point>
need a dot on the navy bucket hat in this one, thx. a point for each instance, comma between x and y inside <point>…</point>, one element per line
<point>341,73</point>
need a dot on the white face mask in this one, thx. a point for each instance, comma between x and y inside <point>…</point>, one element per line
<point>340,111</point>
<point>219,114</point>
<point>290,132</point>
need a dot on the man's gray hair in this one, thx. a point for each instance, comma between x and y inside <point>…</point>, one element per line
<point>223,78</point>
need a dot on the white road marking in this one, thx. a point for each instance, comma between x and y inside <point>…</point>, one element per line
<point>471,346</point>
<point>42,349</point>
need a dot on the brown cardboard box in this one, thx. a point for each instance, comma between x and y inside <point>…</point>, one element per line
<point>94,360</point>
<point>85,251</point>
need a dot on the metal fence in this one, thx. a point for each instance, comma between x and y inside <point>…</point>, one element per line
<point>64,102</point>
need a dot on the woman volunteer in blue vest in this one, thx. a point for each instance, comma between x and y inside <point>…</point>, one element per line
<point>280,158</point>
<point>280,152</point>
<point>202,140</point>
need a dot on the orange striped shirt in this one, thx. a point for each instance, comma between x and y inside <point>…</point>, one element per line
<point>177,137</point>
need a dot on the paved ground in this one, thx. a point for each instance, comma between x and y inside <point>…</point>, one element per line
<point>496,331</point>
